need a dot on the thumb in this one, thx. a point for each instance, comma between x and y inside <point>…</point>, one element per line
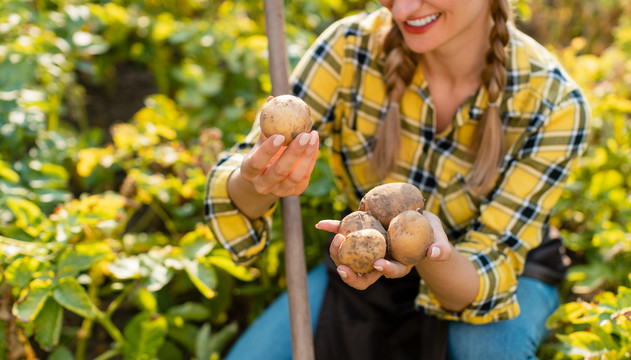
<point>441,248</point>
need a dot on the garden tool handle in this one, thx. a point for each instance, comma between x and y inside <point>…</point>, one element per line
<point>295,266</point>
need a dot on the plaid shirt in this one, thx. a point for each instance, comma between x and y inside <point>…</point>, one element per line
<point>545,116</point>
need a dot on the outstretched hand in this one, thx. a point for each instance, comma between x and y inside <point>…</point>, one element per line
<point>273,168</point>
<point>388,268</point>
<point>440,250</point>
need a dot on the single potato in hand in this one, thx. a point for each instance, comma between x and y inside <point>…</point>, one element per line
<point>361,248</point>
<point>285,115</point>
<point>410,235</point>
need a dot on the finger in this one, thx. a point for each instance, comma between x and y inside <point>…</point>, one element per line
<point>259,158</point>
<point>282,168</point>
<point>391,269</point>
<point>357,281</point>
<point>328,225</point>
<point>334,248</point>
<point>441,248</point>
<point>305,166</point>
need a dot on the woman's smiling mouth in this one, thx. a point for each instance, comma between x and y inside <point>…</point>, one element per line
<point>420,25</point>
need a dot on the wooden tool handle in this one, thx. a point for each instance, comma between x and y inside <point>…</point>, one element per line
<point>295,267</point>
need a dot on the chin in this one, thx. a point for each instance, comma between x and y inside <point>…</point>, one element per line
<point>420,48</point>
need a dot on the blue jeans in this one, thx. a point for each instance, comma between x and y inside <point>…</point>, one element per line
<point>269,337</point>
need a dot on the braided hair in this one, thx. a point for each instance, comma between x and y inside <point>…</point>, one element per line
<point>399,68</point>
<point>489,135</point>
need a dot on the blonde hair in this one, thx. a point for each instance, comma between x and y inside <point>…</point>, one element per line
<point>488,147</point>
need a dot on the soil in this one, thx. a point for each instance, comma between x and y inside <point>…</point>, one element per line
<point>121,98</point>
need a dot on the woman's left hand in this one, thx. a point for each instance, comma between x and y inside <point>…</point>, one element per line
<point>383,267</point>
<point>441,249</point>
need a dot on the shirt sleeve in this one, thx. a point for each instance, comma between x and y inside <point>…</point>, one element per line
<point>242,237</point>
<point>315,80</point>
<point>513,217</point>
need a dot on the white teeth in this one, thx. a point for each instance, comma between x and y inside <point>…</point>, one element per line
<point>423,21</point>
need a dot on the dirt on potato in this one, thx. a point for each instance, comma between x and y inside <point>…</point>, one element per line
<point>386,201</point>
<point>286,115</point>
<point>358,220</point>
<point>361,248</point>
<point>410,235</point>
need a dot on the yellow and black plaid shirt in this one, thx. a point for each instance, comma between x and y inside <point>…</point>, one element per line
<point>545,116</point>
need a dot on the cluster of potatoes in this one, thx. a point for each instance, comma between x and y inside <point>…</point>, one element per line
<point>388,224</point>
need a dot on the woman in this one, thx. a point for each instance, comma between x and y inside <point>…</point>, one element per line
<point>449,96</point>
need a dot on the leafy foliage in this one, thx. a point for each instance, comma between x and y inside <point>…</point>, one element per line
<point>101,228</point>
<point>103,248</point>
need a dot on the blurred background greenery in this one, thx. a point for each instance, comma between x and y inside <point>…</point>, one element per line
<point>111,114</point>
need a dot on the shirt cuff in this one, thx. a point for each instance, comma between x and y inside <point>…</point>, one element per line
<point>244,238</point>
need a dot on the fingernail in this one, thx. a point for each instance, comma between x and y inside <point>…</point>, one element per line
<point>342,273</point>
<point>435,252</point>
<point>317,226</point>
<point>279,140</point>
<point>313,140</point>
<point>378,268</point>
<point>304,139</point>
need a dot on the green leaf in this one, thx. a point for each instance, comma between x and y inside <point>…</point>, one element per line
<point>27,214</point>
<point>202,350</point>
<point>48,325</point>
<point>156,275</point>
<point>587,340</point>
<point>203,277</point>
<point>61,353</point>
<point>125,268</point>
<point>182,332</point>
<point>145,335</point>
<point>587,278</point>
<point>219,339</point>
<point>72,296</point>
<point>170,351</point>
<point>21,270</point>
<point>7,173</point>
<point>191,311</point>
<point>208,344</point>
<point>604,181</point>
<point>624,297</point>
<point>33,299</point>
<point>195,249</point>
<point>82,257</point>
<point>147,301</point>
<point>238,271</point>
<point>608,341</point>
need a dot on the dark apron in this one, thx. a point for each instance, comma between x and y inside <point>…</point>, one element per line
<point>382,322</point>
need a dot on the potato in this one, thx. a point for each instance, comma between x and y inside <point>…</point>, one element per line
<point>358,220</point>
<point>386,201</point>
<point>286,115</point>
<point>361,248</point>
<point>410,235</point>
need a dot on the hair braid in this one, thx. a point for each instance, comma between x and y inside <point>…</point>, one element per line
<point>399,68</point>
<point>489,136</point>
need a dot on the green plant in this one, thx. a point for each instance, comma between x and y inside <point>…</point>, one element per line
<point>598,329</point>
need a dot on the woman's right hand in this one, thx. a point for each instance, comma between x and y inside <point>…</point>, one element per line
<point>274,169</point>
